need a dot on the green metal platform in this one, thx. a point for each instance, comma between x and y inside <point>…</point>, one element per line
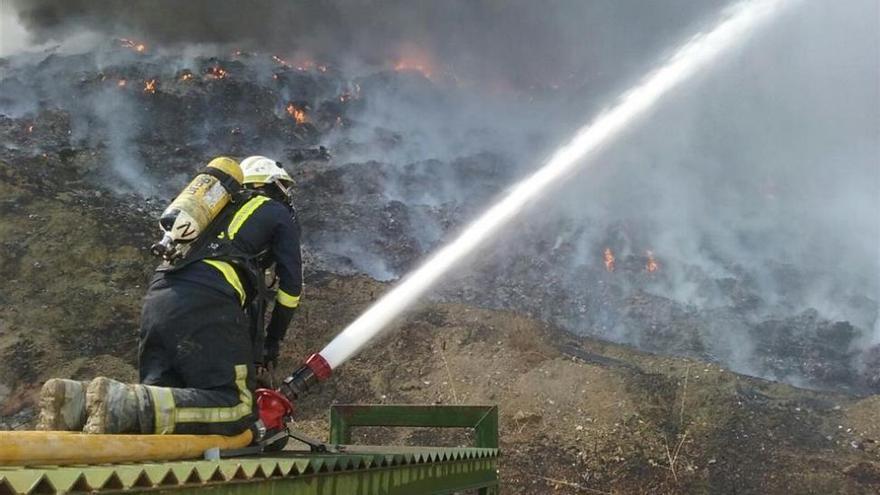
<point>356,470</point>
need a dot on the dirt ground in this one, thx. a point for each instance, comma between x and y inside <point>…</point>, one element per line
<point>577,415</point>
<point>580,416</point>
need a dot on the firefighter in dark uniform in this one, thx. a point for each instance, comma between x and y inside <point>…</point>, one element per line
<point>201,323</point>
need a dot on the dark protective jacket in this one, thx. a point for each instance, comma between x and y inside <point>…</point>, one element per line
<point>197,346</point>
<point>268,232</point>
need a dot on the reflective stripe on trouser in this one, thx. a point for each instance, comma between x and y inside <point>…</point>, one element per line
<point>178,410</point>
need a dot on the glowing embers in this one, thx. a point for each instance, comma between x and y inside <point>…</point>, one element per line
<point>298,112</point>
<point>132,45</point>
<point>150,86</point>
<point>412,58</point>
<point>185,76</point>
<point>630,263</point>
<point>608,258</point>
<point>413,65</point>
<point>651,264</point>
<point>216,72</point>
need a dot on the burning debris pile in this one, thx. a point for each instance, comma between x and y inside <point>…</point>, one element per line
<point>628,295</point>
<point>133,120</point>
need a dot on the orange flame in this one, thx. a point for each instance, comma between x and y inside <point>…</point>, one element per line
<point>405,65</point>
<point>133,45</point>
<point>187,76</point>
<point>298,114</point>
<point>217,72</point>
<point>651,266</point>
<point>413,58</point>
<point>609,260</point>
<point>150,86</point>
<point>121,83</point>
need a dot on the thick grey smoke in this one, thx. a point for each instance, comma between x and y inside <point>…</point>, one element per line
<point>516,43</point>
<point>772,160</point>
<point>765,175</point>
<point>756,189</point>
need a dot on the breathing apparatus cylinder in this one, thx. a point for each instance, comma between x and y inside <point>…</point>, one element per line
<point>197,205</point>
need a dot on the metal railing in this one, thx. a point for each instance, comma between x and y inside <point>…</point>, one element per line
<point>482,419</point>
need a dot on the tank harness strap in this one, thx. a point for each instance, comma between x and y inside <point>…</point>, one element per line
<point>232,186</point>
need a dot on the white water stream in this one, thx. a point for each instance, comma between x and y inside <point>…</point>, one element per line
<point>696,54</point>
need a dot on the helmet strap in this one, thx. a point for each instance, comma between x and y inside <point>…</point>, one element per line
<point>280,192</point>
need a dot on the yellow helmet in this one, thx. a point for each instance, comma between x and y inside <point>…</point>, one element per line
<point>259,170</point>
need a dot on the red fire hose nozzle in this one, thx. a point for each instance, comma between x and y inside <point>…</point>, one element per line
<point>274,408</point>
<point>315,370</point>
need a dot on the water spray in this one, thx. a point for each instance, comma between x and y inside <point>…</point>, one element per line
<point>742,19</point>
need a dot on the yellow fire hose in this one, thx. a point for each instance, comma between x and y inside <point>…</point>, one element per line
<point>61,447</point>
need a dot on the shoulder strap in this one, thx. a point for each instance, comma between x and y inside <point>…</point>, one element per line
<point>232,186</point>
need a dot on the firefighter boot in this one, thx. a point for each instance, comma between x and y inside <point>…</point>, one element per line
<point>112,407</point>
<point>62,405</point>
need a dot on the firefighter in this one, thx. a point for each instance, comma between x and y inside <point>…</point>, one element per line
<point>202,324</point>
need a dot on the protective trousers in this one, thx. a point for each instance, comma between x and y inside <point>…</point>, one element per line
<point>195,357</point>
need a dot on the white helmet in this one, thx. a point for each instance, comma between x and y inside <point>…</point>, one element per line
<point>259,170</point>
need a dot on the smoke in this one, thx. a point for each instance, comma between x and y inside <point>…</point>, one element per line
<point>689,60</point>
<point>757,188</point>
<point>759,182</point>
<point>13,36</point>
<point>773,158</point>
<point>116,119</point>
<point>516,43</point>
